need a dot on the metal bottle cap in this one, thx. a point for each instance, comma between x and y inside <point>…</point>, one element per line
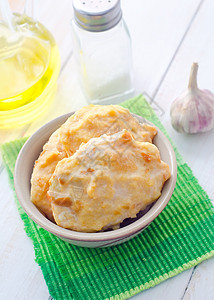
<point>97,15</point>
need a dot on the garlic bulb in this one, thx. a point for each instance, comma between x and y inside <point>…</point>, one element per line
<point>193,111</point>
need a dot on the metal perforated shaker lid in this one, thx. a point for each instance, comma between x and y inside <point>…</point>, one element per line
<point>97,15</point>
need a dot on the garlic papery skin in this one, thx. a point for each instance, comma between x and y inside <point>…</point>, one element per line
<point>193,112</point>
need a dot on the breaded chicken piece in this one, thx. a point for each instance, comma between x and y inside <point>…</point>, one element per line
<point>90,121</point>
<point>107,180</point>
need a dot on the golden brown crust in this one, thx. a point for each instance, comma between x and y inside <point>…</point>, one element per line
<point>90,121</point>
<point>121,178</point>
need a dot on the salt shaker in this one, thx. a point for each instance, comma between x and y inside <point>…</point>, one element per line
<point>102,48</point>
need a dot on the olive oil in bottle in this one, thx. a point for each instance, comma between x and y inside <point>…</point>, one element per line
<point>29,67</point>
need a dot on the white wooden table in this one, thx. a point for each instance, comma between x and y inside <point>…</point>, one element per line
<point>167,36</point>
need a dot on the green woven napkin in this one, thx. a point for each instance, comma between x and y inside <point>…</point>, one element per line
<point>179,238</point>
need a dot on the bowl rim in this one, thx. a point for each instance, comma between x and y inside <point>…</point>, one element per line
<point>64,233</point>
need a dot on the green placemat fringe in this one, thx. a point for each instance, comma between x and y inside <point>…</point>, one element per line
<point>179,238</point>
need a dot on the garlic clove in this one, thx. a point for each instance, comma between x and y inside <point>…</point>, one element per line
<point>193,111</point>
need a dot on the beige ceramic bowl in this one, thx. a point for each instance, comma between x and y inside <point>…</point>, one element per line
<point>130,227</point>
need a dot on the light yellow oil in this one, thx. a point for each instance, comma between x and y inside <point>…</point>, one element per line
<point>29,67</point>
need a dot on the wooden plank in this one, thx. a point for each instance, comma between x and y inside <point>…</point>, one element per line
<point>171,289</point>
<point>201,285</point>
<point>20,276</point>
<point>197,150</point>
<point>198,47</point>
<point>156,28</point>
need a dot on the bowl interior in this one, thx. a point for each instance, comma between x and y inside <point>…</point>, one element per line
<point>24,167</point>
